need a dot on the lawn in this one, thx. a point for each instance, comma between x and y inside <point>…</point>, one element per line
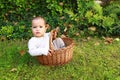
<point>93,59</point>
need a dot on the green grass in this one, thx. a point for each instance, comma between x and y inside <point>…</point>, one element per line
<point>89,62</point>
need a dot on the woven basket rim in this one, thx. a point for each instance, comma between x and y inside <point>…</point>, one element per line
<point>64,48</point>
<point>61,56</point>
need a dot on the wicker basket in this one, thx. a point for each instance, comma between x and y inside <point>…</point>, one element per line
<point>60,56</point>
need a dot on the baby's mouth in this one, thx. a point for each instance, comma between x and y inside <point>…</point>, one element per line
<point>37,32</point>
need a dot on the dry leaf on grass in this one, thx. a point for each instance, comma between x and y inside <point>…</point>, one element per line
<point>61,3</point>
<point>92,28</point>
<point>22,52</point>
<point>117,39</point>
<point>108,40</point>
<point>84,40</point>
<point>70,25</point>
<point>76,34</point>
<point>65,24</point>
<point>97,43</point>
<point>13,69</point>
<point>62,17</point>
<point>88,38</point>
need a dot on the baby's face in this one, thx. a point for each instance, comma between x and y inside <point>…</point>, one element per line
<point>38,27</point>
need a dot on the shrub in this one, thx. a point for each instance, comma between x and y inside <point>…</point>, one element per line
<point>80,14</point>
<point>15,32</point>
<point>6,31</point>
<point>112,11</point>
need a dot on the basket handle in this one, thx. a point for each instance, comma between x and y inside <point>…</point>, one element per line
<point>50,42</point>
<point>53,35</point>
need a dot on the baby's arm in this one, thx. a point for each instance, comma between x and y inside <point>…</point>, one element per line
<point>36,51</point>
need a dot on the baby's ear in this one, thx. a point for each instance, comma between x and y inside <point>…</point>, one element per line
<point>47,26</point>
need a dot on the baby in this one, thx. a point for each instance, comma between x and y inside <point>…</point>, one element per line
<point>39,44</point>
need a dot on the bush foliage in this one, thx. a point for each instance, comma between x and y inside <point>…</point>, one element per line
<point>74,18</point>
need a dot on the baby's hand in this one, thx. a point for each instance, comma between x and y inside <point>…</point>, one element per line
<point>51,52</point>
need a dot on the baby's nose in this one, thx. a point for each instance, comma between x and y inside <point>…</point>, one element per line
<point>38,28</point>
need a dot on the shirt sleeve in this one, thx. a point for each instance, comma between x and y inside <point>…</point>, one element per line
<point>36,51</point>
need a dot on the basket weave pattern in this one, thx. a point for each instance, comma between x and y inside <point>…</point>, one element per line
<point>60,56</point>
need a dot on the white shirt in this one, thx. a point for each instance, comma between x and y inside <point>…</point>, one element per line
<point>39,46</point>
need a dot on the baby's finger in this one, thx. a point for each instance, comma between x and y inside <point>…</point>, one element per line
<point>49,54</point>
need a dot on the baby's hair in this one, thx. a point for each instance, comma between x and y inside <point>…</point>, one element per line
<point>39,17</point>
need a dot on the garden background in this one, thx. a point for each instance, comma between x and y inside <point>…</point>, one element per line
<point>95,28</point>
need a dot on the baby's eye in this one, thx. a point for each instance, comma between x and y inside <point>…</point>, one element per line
<point>34,27</point>
<point>41,26</point>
